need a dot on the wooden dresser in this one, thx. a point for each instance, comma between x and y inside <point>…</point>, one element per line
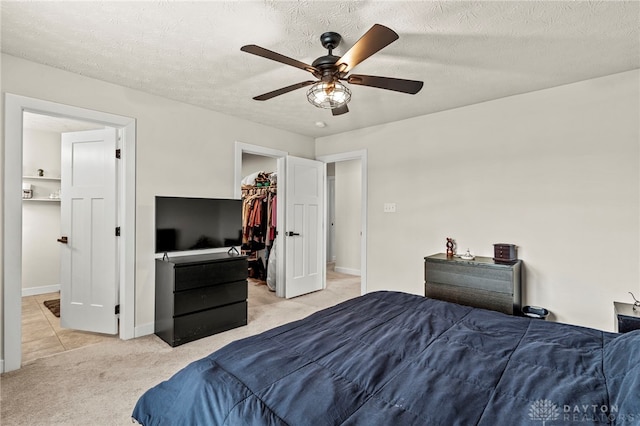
<point>197,296</point>
<point>481,282</point>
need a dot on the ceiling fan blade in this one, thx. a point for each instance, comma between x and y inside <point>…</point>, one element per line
<point>340,110</point>
<point>269,54</point>
<point>377,38</point>
<point>282,91</point>
<point>397,84</point>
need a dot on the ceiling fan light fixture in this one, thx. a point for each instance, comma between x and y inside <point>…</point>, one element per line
<point>328,95</point>
<point>329,92</point>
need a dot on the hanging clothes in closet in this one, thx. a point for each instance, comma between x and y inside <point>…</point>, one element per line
<point>259,221</point>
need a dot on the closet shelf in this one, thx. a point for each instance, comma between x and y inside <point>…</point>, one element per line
<point>49,200</point>
<point>41,177</point>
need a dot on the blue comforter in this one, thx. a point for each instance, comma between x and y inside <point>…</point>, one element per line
<point>391,358</point>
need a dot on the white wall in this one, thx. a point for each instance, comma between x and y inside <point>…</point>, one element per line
<point>41,150</point>
<point>41,219</point>
<point>555,172</point>
<point>181,149</point>
<point>348,197</point>
<point>252,163</point>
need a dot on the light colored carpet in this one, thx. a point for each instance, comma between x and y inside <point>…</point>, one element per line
<point>100,384</point>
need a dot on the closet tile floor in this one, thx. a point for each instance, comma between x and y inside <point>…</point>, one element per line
<point>42,334</point>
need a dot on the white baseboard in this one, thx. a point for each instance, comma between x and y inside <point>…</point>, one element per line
<point>32,291</point>
<point>144,330</point>
<point>348,271</point>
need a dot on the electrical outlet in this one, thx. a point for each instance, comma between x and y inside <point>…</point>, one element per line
<point>389,207</point>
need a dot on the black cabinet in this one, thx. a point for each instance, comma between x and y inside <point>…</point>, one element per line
<point>626,318</point>
<point>481,282</point>
<point>197,296</point>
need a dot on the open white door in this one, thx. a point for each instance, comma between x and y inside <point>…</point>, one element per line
<point>301,234</point>
<point>88,274</point>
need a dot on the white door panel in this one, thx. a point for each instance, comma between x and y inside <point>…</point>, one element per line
<point>331,219</point>
<point>89,287</point>
<point>303,229</point>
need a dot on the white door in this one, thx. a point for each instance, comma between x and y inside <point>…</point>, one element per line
<point>88,274</point>
<point>331,219</point>
<point>302,231</point>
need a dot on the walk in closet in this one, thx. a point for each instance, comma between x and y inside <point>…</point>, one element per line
<point>259,190</point>
<point>41,209</point>
<point>259,224</point>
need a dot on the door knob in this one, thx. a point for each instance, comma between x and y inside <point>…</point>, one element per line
<point>63,240</point>
<point>291,234</point>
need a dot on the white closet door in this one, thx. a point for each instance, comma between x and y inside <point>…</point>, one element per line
<point>89,287</point>
<point>302,231</point>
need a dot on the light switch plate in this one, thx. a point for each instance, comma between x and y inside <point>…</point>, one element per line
<point>389,207</point>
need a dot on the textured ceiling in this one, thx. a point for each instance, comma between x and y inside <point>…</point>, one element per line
<point>465,52</point>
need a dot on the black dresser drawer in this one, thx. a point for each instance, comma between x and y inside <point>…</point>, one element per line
<point>201,275</point>
<point>625,325</point>
<point>471,276</point>
<point>471,297</point>
<point>205,323</point>
<point>209,297</point>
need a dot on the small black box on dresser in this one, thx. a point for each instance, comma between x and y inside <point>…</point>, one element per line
<point>201,295</point>
<point>504,253</point>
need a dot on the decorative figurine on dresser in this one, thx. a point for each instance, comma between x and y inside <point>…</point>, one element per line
<point>482,282</point>
<point>451,247</point>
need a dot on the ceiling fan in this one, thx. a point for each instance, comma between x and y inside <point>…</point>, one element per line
<point>328,91</point>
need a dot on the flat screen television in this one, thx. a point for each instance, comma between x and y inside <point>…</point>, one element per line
<point>185,224</point>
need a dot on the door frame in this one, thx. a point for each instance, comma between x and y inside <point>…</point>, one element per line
<point>245,148</point>
<point>362,156</point>
<point>14,106</point>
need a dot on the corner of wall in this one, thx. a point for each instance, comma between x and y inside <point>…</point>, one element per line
<point>144,330</point>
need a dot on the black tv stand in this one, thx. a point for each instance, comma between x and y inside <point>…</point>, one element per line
<point>201,295</point>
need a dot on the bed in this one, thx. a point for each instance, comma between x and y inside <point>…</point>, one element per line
<point>390,358</point>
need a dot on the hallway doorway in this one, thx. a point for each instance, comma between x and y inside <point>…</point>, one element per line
<point>344,228</point>
<point>358,158</point>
